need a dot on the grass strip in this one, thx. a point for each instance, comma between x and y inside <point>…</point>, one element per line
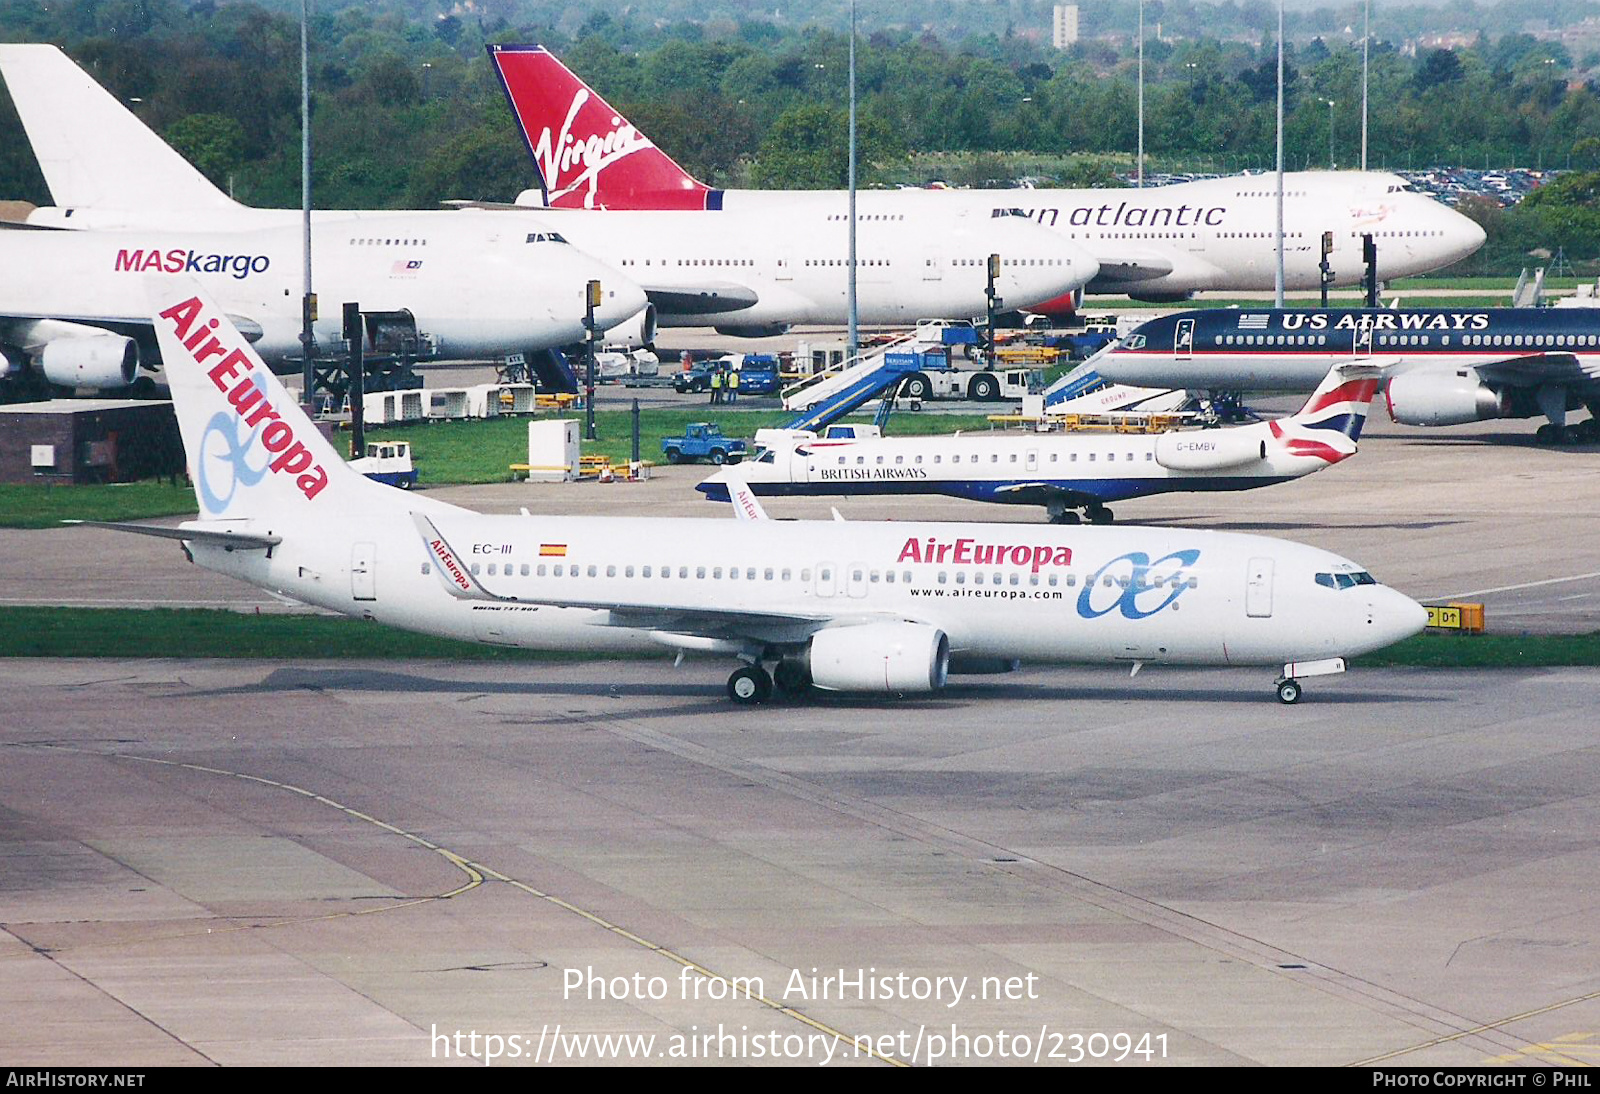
<point>209,632</point>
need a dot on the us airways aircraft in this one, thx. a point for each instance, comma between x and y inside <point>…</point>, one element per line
<point>1066,472</point>
<point>753,273</point>
<point>73,307</point>
<point>869,607</point>
<point>1444,366</point>
<point>1163,243</point>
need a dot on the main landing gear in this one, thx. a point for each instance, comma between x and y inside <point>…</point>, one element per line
<point>751,684</point>
<point>1093,513</point>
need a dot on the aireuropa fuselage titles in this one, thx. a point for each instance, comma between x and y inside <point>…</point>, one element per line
<point>1292,349</point>
<point>1055,595</point>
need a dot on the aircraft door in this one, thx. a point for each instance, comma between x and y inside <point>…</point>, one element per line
<point>1361,340</point>
<point>785,267</point>
<point>825,578</point>
<point>1183,340</point>
<point>857,579</point>
<point>363,571</point>
<point>1258,589</point>
<point>932,267</point>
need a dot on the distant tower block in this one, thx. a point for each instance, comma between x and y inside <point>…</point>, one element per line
<point>1066,25</point>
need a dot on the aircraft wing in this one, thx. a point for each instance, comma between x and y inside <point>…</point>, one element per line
<point>1132,265</point>
<point>711,298</point>
<point>732,624</point>
<point>1537,369</point>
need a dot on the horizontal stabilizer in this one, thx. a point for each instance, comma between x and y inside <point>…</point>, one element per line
<point>212,537</point>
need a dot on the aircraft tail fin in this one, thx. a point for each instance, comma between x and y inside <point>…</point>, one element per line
<point>1341,401</point>
<point>91,149</point>
<point>252,453</point>
<point>587,154</point>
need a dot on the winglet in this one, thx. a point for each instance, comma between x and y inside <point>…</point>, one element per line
<point>745,505</point>
<point>455,574</point>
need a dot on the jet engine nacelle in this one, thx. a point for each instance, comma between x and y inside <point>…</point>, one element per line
<point>770,330</point>
<point>95,360</point>
<point>1441,398</point>
<point>1061,307</point>
<point>1209,449</point>
<point>636,332</point>
<point>880,657</point>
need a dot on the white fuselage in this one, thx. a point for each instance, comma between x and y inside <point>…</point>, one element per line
<point>1014,468</point>
<point>1215,234</point>
<point>471,282</point>
<point>924,259</point>
<point>1083,594</point>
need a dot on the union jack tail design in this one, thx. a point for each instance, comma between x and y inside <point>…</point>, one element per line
<point>588,156</point>
<point>1341,402</point>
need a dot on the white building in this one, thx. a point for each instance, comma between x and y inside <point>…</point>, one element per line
<point>1065,31</point>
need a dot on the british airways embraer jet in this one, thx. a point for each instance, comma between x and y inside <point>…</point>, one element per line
<point>1068,472</point>
<point>877,607</point>
<point>1444,366</point>
<point>1162,243</point>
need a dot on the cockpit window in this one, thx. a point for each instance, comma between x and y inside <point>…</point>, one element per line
<point>546,237</point>
<point>1346,581</point>
<point>1008,213</point>
<point>1401,187</point>
<point>769,456</point>
<point>1133,341</point>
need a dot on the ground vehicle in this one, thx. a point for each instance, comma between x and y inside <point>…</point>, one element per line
<point>934,379</point>
<point>388,462</point>
<point>696,379</point>
<point>703,441</point>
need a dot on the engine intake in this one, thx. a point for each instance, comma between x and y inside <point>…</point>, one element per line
<point>635,332</point>
<point>880,658</point>
<point>95,360</point>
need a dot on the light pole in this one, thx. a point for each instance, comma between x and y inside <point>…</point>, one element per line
<point>1330,133</point>
<point>1277,295</point>
<point>1366,39</point>
<point>1138,171</point>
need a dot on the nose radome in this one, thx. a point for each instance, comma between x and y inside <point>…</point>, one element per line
<point>621,299</point>
<point>1400,616</point>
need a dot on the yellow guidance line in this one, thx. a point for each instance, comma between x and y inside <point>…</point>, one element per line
<point>476,873</point>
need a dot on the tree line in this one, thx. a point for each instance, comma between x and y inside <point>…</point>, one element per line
<point>407,112</point>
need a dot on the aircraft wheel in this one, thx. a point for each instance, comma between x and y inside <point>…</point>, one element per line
<point>1289,692</point>
<point>791,678</point>
<point>749,685</point>
<point>1100,515</point>
<point>1066,516</point>
<point>1545,434</point>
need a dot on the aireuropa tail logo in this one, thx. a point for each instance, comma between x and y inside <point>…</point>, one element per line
<point>236,376</point>
<point>178,260</point>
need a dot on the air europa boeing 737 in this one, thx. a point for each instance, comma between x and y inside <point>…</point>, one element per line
<point>1445,366</point>
<point>1066,472</point>
<point>885,608</point>
<point>1162,243</point>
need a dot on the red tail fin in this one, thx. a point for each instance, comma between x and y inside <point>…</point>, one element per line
<point>587,155</point>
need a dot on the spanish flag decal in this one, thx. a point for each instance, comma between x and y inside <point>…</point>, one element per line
<point>552,550</point>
